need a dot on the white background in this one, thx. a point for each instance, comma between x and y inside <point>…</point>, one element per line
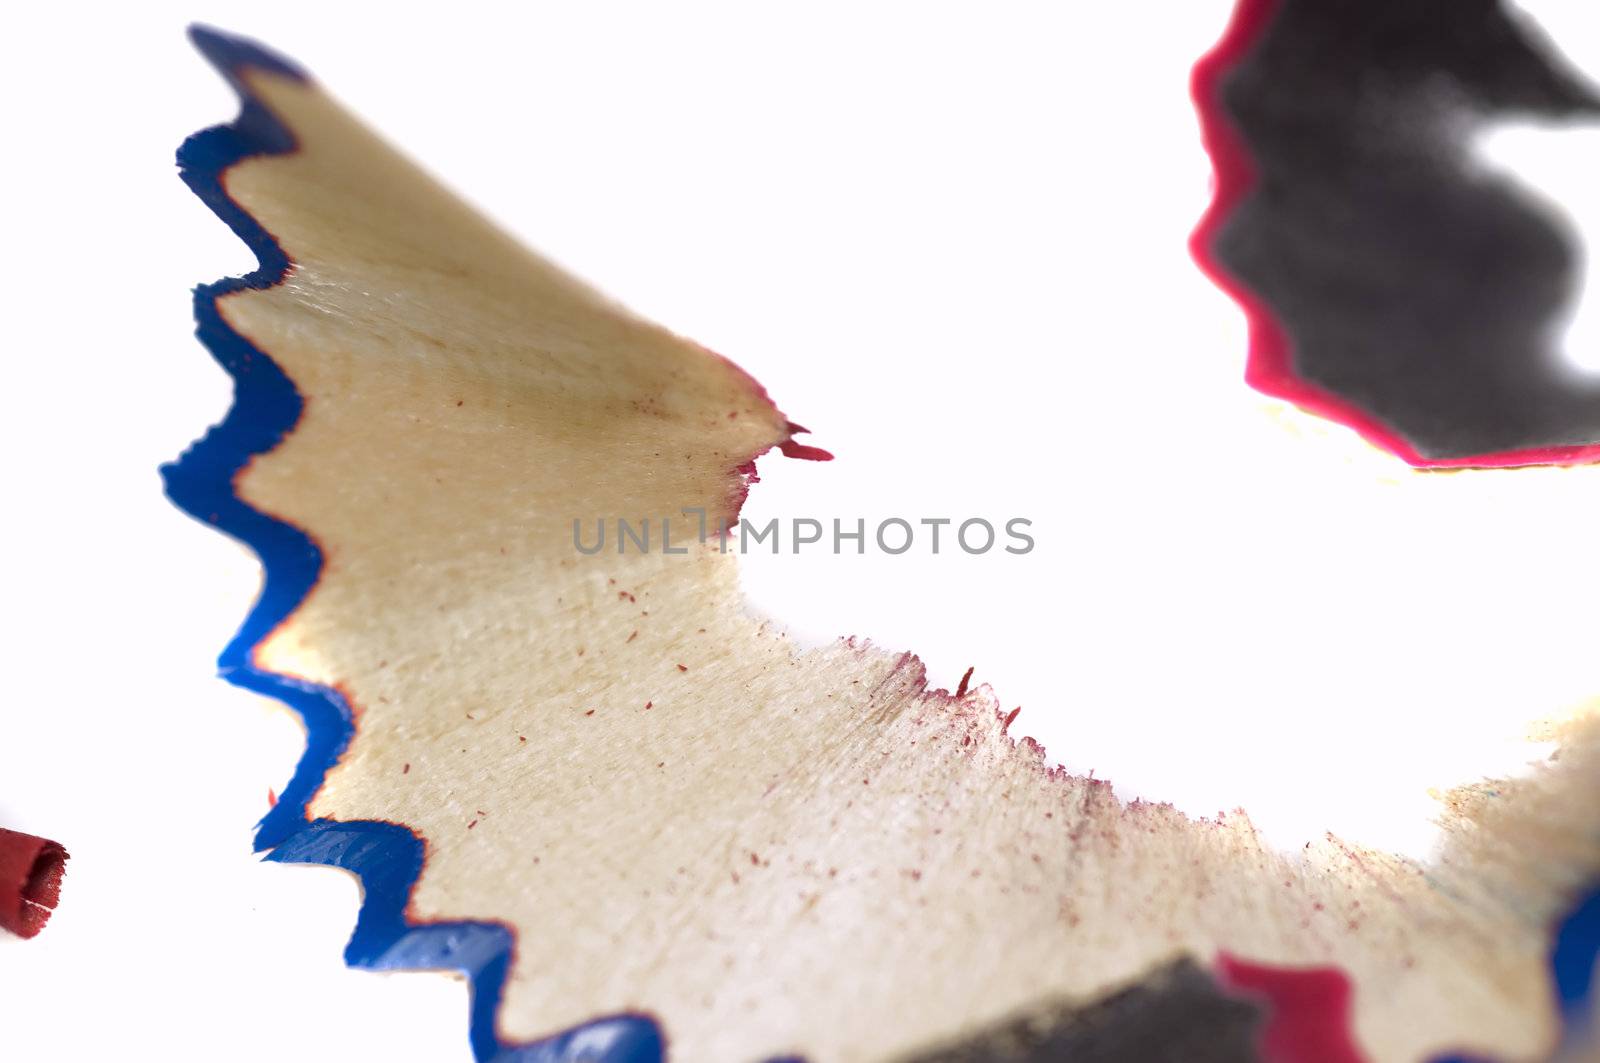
<point>948,238</point>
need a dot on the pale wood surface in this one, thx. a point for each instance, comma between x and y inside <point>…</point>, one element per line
<point>786,851</point>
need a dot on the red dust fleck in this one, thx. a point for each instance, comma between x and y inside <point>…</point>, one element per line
<point>474,823</point>
<point>524,738</point>
<point>624,594</point>
<point>649,704</point>
<point>632,636</point>
<point>961,691</point>
<point>683,668</point>
<point>790,449</point>
<point>589,713</point>
<point>405,769</point>
<point>755,861</point>
<point>460,402</point>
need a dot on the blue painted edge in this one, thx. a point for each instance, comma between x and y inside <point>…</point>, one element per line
<point>1573,956</point>
<point>1573,960</point>
<point>386,857</point>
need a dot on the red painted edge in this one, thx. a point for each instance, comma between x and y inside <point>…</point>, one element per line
<point>1269,367</point>
<point>1308,1010</point>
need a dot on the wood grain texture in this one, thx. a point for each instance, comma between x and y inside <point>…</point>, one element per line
<point>771,851</point>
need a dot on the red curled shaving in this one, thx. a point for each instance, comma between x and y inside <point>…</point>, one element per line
<point>1269,365</point>
<point>30,881</point>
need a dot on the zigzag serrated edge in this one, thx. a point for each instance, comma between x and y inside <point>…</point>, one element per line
<point>386,857</point>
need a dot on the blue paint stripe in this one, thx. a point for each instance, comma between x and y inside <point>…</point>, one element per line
<point>385,856</point>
